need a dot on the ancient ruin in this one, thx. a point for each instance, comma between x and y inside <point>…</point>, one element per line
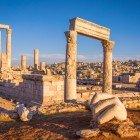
<point>86,28</point>
<point>5,59</point>
<point>55,89</point>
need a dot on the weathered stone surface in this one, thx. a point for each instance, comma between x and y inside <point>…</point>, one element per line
<point>24,113</point>
<point>36,59</point>
<point>23,62</point>
<point>3,26</point>
<point>3,62</point>
<point>42,66</point>
<point>8,47</point>
<point>87,28</point>
<point>107,66</point>
<point>70,73</point>
<point>106,107</point>
<point>38,88</point>
<point>87,133</point>
<point>125,130</point>
<point>48,72</point>
<point>90,29</point>
<point>4,116</point>
<point>106,134</point>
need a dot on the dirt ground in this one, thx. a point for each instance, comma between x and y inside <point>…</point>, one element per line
<point>55,127</point>
<point>58,126</point>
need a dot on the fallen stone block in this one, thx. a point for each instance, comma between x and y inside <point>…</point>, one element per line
<point>87,133</point>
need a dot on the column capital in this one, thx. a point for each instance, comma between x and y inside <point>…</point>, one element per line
<point>71,36</point>
<point>108,45</point>
<point>9,31</point>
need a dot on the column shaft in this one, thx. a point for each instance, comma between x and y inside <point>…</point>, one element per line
<point>0,51</point>
<point>23,62</point>
<point>36,58</point>
<point>71,62</point>
<point>42,66</point>
<point>107,66</point>
<point>8,47</point>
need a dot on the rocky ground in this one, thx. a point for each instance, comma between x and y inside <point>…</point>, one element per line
<point>60,124</point>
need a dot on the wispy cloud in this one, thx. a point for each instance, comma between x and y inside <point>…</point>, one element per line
<point>56,58</point>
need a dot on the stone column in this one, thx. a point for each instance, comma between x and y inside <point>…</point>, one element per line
<point>23,62</point>
<point>70,68</point>
<point>107,66</point>
<point>42,66</point>
<point>0,50</point>
<point>8,47</point>
<point>36,58</point>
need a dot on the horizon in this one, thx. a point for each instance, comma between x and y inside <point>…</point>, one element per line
<point>42,25</point>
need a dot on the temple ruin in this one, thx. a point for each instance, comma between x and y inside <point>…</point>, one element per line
<point>89,29</point>
<point>5,58</point>
<point>39,84</point>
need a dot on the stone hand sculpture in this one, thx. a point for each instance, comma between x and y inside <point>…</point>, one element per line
<point>105,107</point>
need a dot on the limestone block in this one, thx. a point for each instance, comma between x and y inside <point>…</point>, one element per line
<point>128,131</point>
<point>87,133</point>
<point>90,29</point>
<point>47,83</point>
<point>58,83</point>
<point>62,87</point>
<point>53,88</point>
<point>59,88</point>
<point>105,107</point>
<point>24,113</point>
<point>49,93</point>
<point>46,88</point>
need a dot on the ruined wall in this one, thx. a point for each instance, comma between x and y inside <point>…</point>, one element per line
<point>37,88</point>
<point>127,78</point>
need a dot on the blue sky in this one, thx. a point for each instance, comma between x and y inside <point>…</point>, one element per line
<point>41,24</point>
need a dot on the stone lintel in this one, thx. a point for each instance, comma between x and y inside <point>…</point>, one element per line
<point>89,29</point>
<point>3,26</point>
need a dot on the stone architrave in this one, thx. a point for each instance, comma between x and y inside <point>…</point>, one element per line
<point>23,62</point>
<point>36,59</point>
<point>107,66</point>
<point>71,61</point>
<point>8,47</point>
<point>89,29</point>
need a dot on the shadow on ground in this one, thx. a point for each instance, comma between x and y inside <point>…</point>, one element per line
<point>57,126</point>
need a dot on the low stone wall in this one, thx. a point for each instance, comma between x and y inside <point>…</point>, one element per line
<point>42,89</point>
<point>130,100</point>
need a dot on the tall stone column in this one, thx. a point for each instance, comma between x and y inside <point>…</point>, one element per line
<point>23,62</point>
<point>107,66</point>
<point>36,58</point>
<point>8,47</point>
<point>42,66</point>
<point>0,51</point>
<point>71,62</point>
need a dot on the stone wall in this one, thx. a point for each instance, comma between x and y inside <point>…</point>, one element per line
<point>42,89</point>
<point>127,78</point>
<point>130,100</point>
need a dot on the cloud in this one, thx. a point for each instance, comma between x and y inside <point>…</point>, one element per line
<point>126,57</point>
<point>57,58</point>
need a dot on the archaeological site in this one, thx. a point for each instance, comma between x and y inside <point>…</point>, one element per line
<point>71,99</point>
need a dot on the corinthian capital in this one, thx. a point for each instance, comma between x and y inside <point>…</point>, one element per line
<point>9,31</point>
<point>71,36</point>
<point>108,45</point>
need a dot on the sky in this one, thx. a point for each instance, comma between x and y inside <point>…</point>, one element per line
<point>40,24</point>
